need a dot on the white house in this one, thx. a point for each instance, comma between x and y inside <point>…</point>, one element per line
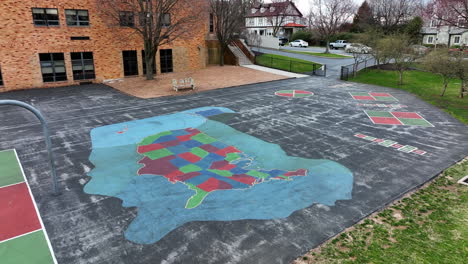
<point>281,19</point>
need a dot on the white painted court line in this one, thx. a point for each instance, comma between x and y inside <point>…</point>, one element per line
<point>25,234</point>
<point>37,210</point>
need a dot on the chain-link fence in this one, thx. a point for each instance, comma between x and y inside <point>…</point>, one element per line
<point>352,69</point>
<point>308,68</point>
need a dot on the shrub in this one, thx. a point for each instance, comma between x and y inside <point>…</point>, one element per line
<point>302,34</point>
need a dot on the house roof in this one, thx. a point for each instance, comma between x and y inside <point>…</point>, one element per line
<point>278,9</point>
<point>294,25</point>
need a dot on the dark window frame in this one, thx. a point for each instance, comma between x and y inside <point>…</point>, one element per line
<point>163,20</point>
<point>52,63</point>
<point>83,62</point>
<point>126,19</point>
<point>131,62</point>
<point>47,22</point>
<point>78,21</point>
<point>166,60</point>
<point>211,23</point>
<point>1,77</point>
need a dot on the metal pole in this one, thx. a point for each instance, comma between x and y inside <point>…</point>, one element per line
<point>45,128</point>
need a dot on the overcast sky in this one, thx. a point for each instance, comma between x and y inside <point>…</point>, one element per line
<point>303,5</point>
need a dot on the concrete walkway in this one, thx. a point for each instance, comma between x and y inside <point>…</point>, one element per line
<point>275,71</point>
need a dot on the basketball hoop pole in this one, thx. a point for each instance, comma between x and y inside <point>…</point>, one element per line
<point>45,128</point>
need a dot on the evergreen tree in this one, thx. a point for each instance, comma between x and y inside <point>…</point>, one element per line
<point>363,19</point>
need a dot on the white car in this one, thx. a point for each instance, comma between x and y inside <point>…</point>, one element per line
<point>357,48</point>
<point>298,43</point>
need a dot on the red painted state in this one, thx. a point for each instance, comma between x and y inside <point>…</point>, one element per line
<point>227,150</point>
<point>363,97</point>
<point>406,115</point>
<point>302,92</point>
<point>386,120</point>
<point>17,213</point>
<point>285,94</point>
<point>381,94</point>
<point>190,157</point>
<point>213,184</point>
<point>150,147</point>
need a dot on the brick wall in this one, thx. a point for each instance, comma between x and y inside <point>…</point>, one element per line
<point>21,42</point>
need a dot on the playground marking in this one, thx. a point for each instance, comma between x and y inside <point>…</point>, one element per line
<point>392,144</point>
<point>372,96</point>
<point>397,118</point>
<point>383,105</point>
<point>30,239</point>
<point>294,93</point>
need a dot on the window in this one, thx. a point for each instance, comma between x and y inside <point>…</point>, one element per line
<point>165,57</point>
<point>82,65</point>
<point>211,23</point>
<point>45,16</point>
<point>53,67</point>
<point>430,39</point>
<point>434,23</point>
<point>166,20</point>
<point>130,62</point>
<point>127,19</point>
<point>1,78</point>
<point>456,40</point>
<point>144,63</point>
<point>77,17</point>
<point>80,38</point>
<point>251,22</point>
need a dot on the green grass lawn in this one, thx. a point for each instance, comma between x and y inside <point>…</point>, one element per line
<point>426,85</point>
<point>429,226</point>
<point>286,63</point>
<point>318,54</point>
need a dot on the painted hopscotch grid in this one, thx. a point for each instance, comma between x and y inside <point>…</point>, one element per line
<point>397,118</point>
<point>23,238</point>
<point>383,105</point>
<point>372,96</point>
<point>294,93</point>
<point>392,144</point>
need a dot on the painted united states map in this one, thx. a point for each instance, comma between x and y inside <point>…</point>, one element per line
<point>203,163</point>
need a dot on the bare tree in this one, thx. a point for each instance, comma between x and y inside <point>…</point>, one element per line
<point>282,13</point>
<point>229,21</point>
<point>159,21</point>
<point>452,12</point>
<point>461,71</point>
<point>328,15</point>
<point>391,13</point>
<point>441,63</point>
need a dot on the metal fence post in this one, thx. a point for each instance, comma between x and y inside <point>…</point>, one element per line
<point>290,64</point>
<point>45,129</point>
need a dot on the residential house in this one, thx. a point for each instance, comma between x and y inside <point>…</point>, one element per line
<point>281,19</point>
<point>48,43</point>
<point>437,32</point>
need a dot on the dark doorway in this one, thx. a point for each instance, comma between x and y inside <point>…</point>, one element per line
<point>130,62</point>
<point>144,63</point>
<point>166,60</point>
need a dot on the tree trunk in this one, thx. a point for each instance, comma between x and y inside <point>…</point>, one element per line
<point>327,48</point>
<point>150,53</point>
<point>445,87</point>
<point>222,49</point>
<point>149,68</point>
<point>400,82</point>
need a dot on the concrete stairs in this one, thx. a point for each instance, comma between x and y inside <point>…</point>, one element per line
<point>242,59</point>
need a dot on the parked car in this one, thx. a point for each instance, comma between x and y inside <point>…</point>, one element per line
<point>357,48</point>
<point>338,44</point>
<point>283,41</point>
<point>420,49</point>
<point>299,43</point>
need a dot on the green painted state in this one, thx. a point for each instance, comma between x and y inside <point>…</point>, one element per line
<point>9,168</point>
<point>232,156</point>
<point>379,114</point>
<point>407,149</point>
<point>31,248</point>
<point>190,168</point>
<point>385,98</point>
<point>204,138</point>
<point>199,152</point>
<point>151,139</point>
<point>302,95</point>
<point>197,198</point>
<point>369,138</point>
<point>257,174</point>
<point>223,173</point>
<point>157,154</point>
<point>415,122</point>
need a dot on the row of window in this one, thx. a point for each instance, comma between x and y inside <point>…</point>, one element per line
<point>456,40</point>
<point>80,18</point>
<point>1,79</point>
<point>50,17</point>
<point>53,65</point>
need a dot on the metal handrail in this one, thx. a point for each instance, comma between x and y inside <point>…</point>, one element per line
<point>45,128</point>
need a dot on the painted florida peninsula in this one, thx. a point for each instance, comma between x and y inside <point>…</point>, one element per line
<point>190,166</point>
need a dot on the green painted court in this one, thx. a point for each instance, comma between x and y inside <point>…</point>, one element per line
<point>22,235</point>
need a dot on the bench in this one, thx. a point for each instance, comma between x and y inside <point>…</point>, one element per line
<point>182,84</point>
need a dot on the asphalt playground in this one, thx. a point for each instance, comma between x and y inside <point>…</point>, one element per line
<point>389,140</point>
